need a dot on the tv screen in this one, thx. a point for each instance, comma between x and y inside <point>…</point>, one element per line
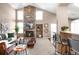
<point>10,35</point>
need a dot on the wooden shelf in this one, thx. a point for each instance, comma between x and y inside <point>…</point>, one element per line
<point>39,30</point>
<point>30,30</point>
<point>29,37</point>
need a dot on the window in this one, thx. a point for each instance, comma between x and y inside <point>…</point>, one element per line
<point>20,25</point>
<point>39,15</point>
<point>20,15</point>
<point>53,28</point>
<point>75,26</point>
<point>53,31</point>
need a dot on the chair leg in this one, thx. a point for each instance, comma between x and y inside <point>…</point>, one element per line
<point>61,48</point>
<point>65,52</point>
<point>66,49</point>
<point>69,52</point>
<point>15,52</point>
<point>75,53</point>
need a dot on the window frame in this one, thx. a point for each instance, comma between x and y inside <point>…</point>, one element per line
<point>19,21</point>
<point>39,12</point>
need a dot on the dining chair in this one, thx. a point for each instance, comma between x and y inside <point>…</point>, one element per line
<point>64,44</point>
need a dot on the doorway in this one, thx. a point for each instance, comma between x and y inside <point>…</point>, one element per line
<point>53,31</point>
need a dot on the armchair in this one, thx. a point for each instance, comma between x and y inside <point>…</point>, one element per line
<point>30,43</point>
<point>3,49</point>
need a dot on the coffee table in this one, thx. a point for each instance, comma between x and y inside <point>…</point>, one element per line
<point>20,49</point>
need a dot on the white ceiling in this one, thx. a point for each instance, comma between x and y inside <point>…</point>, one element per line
<point>45,6</point>
<point>73,11</point>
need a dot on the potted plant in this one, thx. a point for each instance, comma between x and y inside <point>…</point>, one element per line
<point>16,30</point>
<point>64,28</point>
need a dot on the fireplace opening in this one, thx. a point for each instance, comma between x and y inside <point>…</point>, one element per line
<point>29,34</point>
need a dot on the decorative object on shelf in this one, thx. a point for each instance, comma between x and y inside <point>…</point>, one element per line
<point>64,28</point>
<point>40,35</point>
<point>46,25</point>
<point>46,30</point>
<point>28,16</point>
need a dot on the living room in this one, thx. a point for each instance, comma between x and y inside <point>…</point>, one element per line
<point>33,29</point>
<point>37,28</point>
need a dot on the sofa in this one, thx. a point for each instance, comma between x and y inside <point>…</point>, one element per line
<point>9,42</point>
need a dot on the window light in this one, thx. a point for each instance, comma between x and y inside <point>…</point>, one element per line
<point>20,25</point>
<point>75,26</point>
<point>20,15</point>
<point>39,15</point>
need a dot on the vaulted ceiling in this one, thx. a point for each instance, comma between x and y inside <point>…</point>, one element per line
<point>73,11</point>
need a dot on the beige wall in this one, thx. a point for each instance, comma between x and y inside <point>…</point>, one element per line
<point>47,18</point>
<point>70,20</point>
<point>7,16</point>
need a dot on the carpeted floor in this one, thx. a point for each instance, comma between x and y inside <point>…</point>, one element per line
<point>42,47</point>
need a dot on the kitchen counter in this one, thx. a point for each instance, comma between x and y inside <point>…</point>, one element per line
<point>72,35</point>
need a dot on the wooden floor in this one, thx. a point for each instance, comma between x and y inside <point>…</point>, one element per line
<point>42,47</point>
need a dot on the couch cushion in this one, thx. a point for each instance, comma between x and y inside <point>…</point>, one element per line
<point>3,36</point>
<point>0,37</point>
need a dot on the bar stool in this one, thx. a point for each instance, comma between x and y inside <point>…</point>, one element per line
<point>64,43</point>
